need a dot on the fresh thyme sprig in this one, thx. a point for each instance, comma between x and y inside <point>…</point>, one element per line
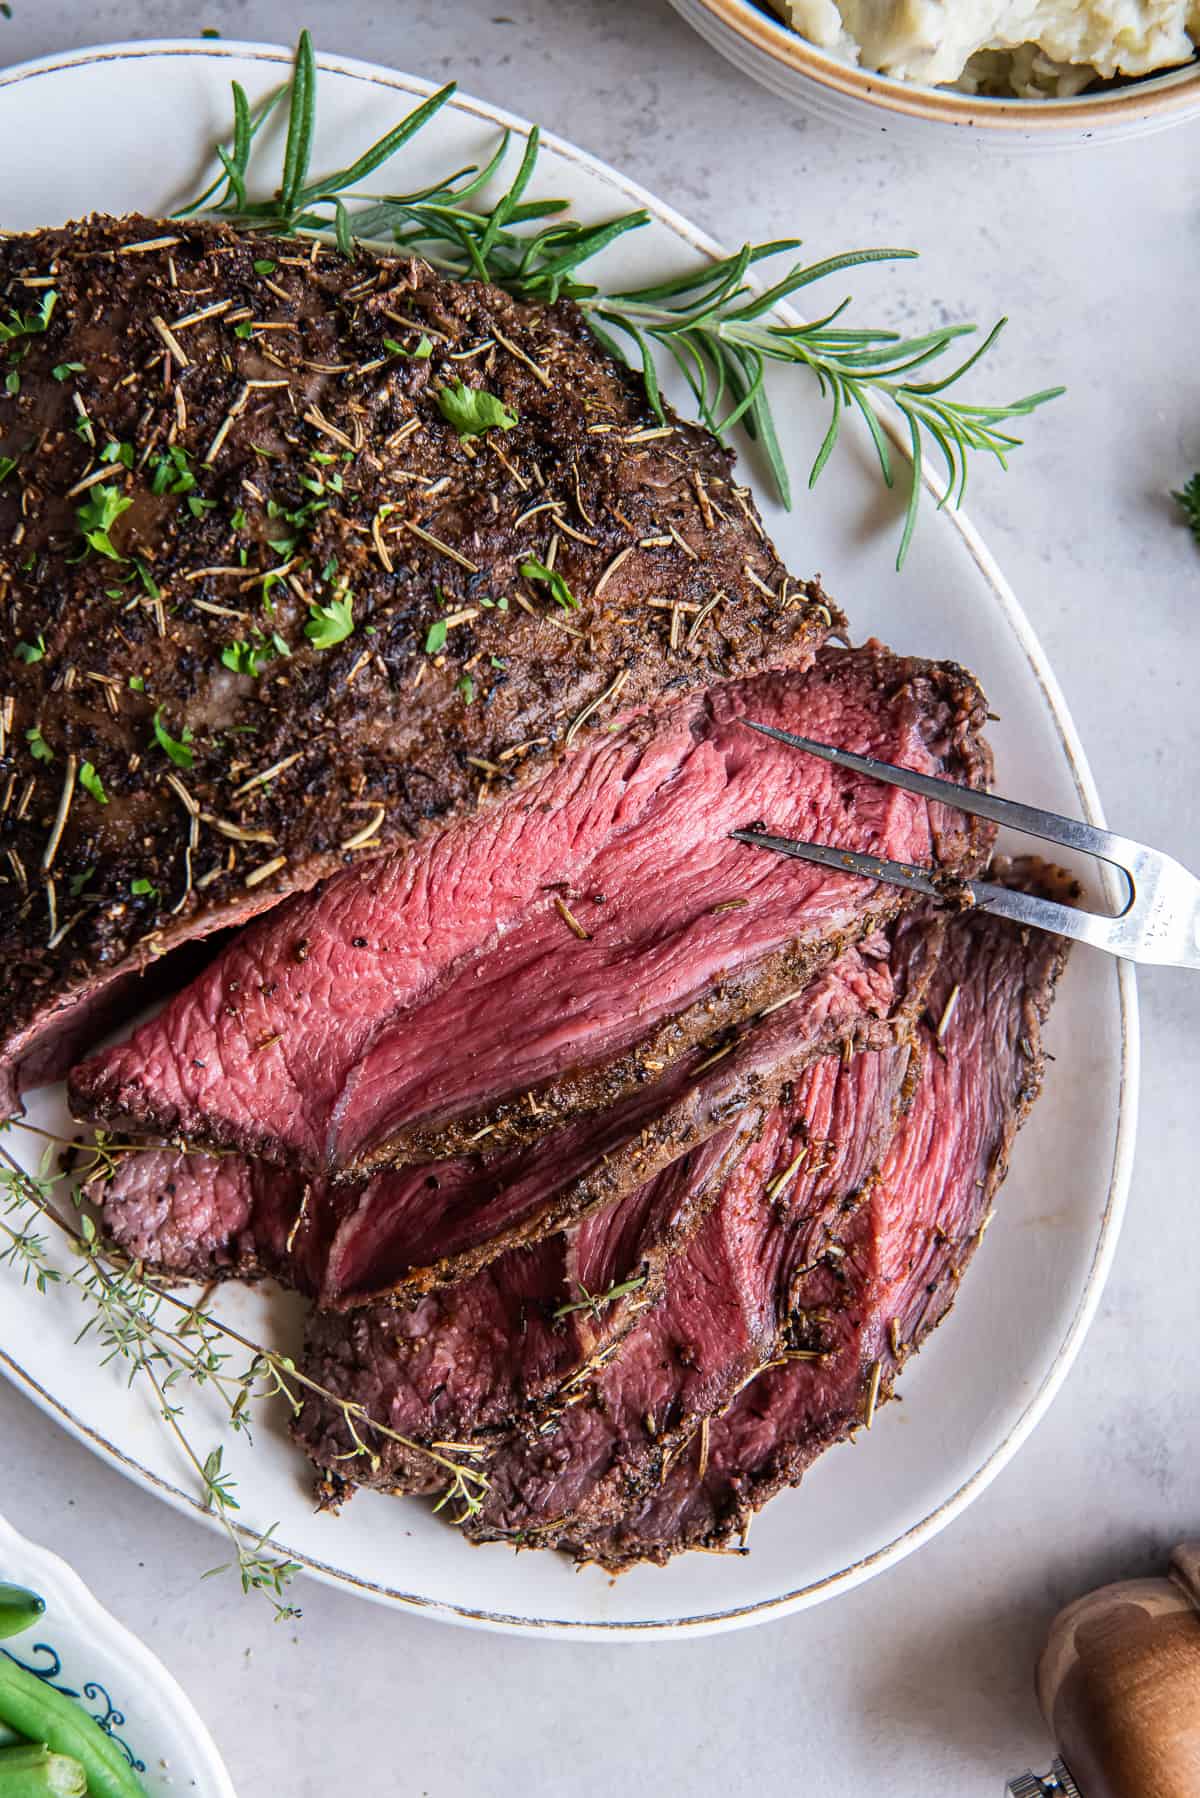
<point>710,321</point>
<point>594,1301</point>
<point>171,1343</point>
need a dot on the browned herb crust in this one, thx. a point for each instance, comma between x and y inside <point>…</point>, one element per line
<point>273,391</point>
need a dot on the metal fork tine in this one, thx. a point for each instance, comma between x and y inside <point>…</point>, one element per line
<point>1160,920</point>
<point>1070,833</point>
<point>1006,902</point>
<point>845,861</point>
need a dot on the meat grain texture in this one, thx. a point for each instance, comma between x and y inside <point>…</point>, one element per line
<point>211,1217</point>
<point>264,420</point>
<point>507,1348</point>
<point>901,1248</point>
<point>539,962</point>
<point>633,1158</point>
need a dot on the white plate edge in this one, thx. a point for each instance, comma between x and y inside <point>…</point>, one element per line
<point>115,1637</point>
<point>1123,1150</point>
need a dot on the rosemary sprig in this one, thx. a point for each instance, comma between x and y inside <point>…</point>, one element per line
<point>711,322</point>
<point>1188,498</point>
<point>713,325</point>
<point>171,1343</point>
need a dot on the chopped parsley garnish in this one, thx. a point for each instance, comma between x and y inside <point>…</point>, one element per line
<point>422,353</point>
<point>114,451</point>
<point>263,267</point>
<point>466,687</point>
<point>91,783</point>
<point>39,749</point>
<point>243,329</point>
<point>12,382</point>
<point>141,888</point>
<point>137,683</point>
<point>172,472</point>
<point>238,521</point>
<point>473,410</point>
<point>31,652</point>
<point>330,624</point>
<point>62,371</point>
<point>301,516</point>
<point>7,464</point>
<point>99,512</point>
<point>242,657</point>
<point>1189,498</point>
<point>537,571</point>
<point>28,324</point>
<point>435,640</point>
<point>147,579</point>
<point>79,881</point>
<point>270,581</point>
<point>177,749</point>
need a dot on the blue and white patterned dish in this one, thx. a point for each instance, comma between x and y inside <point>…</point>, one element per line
<point>79,1649</point>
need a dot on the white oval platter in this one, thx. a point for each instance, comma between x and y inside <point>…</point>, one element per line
<point>151,111</point>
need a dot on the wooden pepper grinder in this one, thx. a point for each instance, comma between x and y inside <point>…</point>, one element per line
<point>1119,1686</point>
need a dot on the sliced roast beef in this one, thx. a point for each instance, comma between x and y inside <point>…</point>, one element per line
<point>550,956</point>
<point>757,1286</point>
<point>489,1354</point>
<point>904,1250</point>
<point>218,1216</point>
<point>717,1323</point>
<point>273,601</point>
<point>425,1226</point>
<point>192,1216</point>
<point>504,1348</point>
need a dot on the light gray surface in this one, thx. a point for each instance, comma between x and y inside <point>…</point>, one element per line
<point>921,1680</point>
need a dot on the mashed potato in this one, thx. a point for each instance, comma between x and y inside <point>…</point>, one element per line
<point>1029,47</point>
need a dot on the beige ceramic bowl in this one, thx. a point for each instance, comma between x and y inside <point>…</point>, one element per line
<point>790,66</point>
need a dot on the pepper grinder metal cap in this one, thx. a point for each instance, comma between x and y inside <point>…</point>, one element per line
<point>1055,1784</point>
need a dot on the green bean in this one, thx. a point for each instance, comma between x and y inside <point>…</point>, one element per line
<point>33,1772</point>
<point>19,1609</point>
<point>29,1705</point>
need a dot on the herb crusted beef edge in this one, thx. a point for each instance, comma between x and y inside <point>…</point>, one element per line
<point>546,959</point>
<point>261,605</point>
